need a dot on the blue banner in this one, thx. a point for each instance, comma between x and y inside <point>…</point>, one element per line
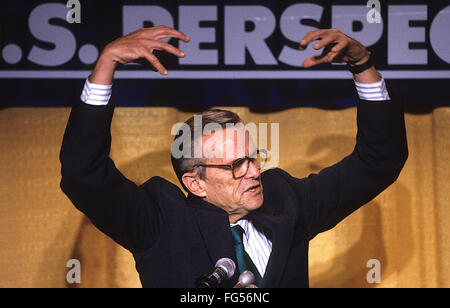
<point>242,53</point>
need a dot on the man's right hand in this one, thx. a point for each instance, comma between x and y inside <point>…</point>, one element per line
<point>137,45</point>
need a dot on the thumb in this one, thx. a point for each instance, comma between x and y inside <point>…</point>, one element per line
<point>313,60</point>
<point>319,59</point>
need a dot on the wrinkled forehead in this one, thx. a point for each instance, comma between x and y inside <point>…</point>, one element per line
<point>228,143</point>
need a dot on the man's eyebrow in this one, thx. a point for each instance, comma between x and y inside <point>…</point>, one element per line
<point>236,159</point>
<point>252,155</point>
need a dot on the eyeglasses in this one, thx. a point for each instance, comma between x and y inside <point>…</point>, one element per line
<point>239,167</point>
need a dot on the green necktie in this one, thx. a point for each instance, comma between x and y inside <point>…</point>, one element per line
<point>243,259</point>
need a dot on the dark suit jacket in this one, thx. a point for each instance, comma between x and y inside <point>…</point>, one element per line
<point>175,239</point>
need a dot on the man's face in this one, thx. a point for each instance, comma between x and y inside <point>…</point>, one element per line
<point>237,196</point>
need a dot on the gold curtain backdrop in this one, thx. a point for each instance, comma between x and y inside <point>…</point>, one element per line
<point>406,228</point>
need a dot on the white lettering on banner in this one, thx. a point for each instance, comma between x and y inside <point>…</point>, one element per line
<point>63,40</point>
<point>189,21</point>
<point>238,40</point>
<point>292,29</point>
<point>439,37</point>
<point>134,17</point>
<point>345,16</point>
<point>246,29</point>
<point>398,41</point>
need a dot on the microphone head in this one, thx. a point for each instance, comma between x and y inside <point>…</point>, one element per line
<point>227,265</point>
<point>246,279</point>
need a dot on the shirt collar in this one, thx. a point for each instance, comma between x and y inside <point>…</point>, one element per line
<point>244,223</point>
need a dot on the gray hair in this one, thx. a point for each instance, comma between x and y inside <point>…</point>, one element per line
<point>183,165</point>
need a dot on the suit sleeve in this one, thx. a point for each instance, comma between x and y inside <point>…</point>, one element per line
<point>115,205</point>
<point>375,163</point>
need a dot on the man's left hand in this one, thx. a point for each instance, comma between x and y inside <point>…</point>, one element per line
<point>338,48</point>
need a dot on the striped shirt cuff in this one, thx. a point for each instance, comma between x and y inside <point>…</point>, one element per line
<point>96,94</point>
<point>372,91</point>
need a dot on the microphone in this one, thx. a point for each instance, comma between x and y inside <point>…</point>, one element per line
<point>246,279</point>
<point>224,269</point>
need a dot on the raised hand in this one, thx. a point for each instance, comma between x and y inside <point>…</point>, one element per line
<point>337,48</point>
<point>134,46</point>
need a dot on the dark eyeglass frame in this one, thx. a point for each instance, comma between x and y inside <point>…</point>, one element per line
<point>237,162</point>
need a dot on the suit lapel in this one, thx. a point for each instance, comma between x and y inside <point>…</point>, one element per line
<point>214,227</point>
<point>281,229</point>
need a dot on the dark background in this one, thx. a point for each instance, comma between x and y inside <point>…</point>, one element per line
<point>102,23</point>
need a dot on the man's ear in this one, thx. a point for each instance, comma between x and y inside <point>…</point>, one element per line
<point>194,184</point>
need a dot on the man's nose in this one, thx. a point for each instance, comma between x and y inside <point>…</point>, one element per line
<point>253,170</point>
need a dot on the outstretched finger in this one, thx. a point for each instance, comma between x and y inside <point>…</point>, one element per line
<point>325,41</point>
<point>317,59</point>
<point>311,37</point>
<point>160,45</point>
<point>161,32</point>
<point>165,32</point>
<point>155,62</point>
<point>339,46</point>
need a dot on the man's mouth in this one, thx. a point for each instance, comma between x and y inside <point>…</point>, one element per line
<point>254,188</point>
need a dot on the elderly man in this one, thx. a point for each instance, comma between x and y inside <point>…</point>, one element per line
<point>261,220</point>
